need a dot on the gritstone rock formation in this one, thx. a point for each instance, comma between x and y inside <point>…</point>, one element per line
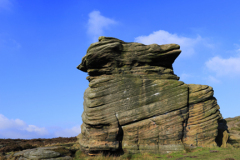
<point>234,131</point>
<point>136,103</point>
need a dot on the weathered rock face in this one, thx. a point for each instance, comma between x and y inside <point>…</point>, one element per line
<point>234,131</point>
<point>136,103</point>
<point>41,153</point>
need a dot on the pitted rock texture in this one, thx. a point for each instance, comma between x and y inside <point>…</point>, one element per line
<point>136,103</point>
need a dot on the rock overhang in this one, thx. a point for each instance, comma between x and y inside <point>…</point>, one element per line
<point>112,53</point>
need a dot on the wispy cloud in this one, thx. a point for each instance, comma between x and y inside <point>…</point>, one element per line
<point>237,50</point>
<point>163,37</point>
<point>15,44</point>
<point>17,128</point>
<point>97,23</point>
<point>213,79</point>
<point>7,43</point>
<point>224,66</point>
<point>5,5</point>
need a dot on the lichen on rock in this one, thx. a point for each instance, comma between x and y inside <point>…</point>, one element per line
<point>136,103</point>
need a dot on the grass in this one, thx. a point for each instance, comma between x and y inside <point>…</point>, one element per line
<point>216,153</point>
<point>235,128</point>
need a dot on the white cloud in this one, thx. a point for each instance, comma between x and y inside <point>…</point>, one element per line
<point>5,4</point>
<point>163,37</point>
<point>224,67</point>
<point>97,23</point>
<point>40,131</point>
<point>71,132</point>
<point>6,123</point>
<point>16,128</point>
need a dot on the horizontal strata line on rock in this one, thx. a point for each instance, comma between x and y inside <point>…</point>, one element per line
<point>202,107</point>
<point>157,72</point>
<point>99,125</point>
<point>142,134</point>
<point>134,53</point>
<point>208,131</point>
<point>202,119</point>
<point>103,47</point>
<point>147,50</point>
<point>112,110</point>
<point>137,73</point>
<point>159,118</point>
<point>136,76</point>
<point>107,108</point>
<point>161,122</point>
<point>161,70</point>
<point>118,89</point>
<point>165,137</point>
<point>118,80</point>
<point>174,90</point>
<point>204,131</point>
<point>105,121</point>
<point>211,118</point>
<point>110,83</point>
<point>88,60</point>
<point>158,149</point>
<point>203,115</point>
<point>109,118</point>
<point>200,93</point>
<point>95,118</point>
<point>101,86</point>
<point>152,73</point>
<point>206,121</point>
<point>198,90</point>
<point>203,99</point>
<point>102,80</point>
<point>143,99</point>
<point>151,117</point>
<point>158,110</point>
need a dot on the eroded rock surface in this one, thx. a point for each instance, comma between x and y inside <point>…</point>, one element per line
<point>136,103</point>
<point>41,153</point>
<point>234,131</point>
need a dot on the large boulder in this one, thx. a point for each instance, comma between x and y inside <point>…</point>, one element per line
<point>234,131</point>
<point>136,103</point>
<point>41,153</point>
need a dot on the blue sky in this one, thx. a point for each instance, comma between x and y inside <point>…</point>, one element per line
<point>42,42</point>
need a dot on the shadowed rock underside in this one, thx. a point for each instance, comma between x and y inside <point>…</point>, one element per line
<point>135,102</point>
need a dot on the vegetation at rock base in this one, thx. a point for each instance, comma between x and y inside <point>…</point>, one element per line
<point>65,146</point>
<point>69,145</point>
<point>7,145</point>
<point>217,153</point>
